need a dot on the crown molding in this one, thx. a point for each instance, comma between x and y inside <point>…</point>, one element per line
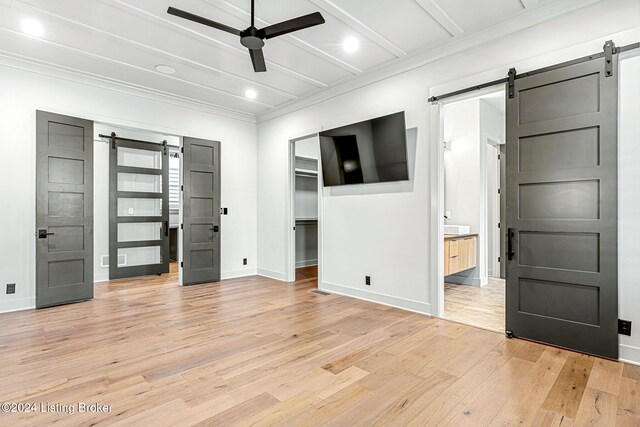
<point>18,62</point>
<point>519,21</point>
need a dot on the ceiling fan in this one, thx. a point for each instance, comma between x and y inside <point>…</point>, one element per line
<point>253,38</point>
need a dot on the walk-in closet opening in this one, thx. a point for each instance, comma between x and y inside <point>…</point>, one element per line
<point>306,192</point>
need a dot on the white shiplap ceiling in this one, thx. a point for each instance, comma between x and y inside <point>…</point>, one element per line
<point>122,41</point>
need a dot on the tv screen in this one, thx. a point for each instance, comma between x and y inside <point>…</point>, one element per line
<point>367,152</point>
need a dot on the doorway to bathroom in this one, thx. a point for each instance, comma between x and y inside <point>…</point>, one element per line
<point>474,137</point>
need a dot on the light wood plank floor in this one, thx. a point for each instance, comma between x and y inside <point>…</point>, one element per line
<point>255,351</point>
<point>472,305</point>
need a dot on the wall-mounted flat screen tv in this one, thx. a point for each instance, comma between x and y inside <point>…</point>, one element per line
<point>367,152</point>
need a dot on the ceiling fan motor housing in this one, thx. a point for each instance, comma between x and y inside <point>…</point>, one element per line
<point>252,38</point>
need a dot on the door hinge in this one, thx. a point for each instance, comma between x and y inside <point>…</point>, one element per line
<point>181,226</point>
<point>498,191</point>
<point>499,259</point>
<point>181,264</point>
<point>512,78</point>
<point>182,188</point>
<point>182,150</point>
<point>609,50</point>
<point>499,225</point>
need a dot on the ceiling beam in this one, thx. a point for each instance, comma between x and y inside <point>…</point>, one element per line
<point>517,21</point>
<point>267,88</point>
<point>241,13</point>
<point>528,4</point>
<point>38,66</point>
<point>135,67</point>
<point>229,48</point>
<point>441,17</point>
<point>359,26</point>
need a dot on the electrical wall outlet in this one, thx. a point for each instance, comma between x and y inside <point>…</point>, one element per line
<point>244,261</point>
<point>367,280</point>
<point>11,288</point>
<point>624,327</point>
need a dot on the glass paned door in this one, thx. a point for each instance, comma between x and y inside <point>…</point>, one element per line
<point>139,209</point>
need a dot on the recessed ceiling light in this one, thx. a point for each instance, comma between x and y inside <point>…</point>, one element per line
<point>165,69</point>
<point>32,27</point>
<point>250,93</point>
<point>351,44</point>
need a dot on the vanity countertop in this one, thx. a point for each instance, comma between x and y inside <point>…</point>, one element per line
<point>458,236</point>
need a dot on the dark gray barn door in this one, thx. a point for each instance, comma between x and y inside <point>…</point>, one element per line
<point>138,209</point>
<point>562,208</point>
<point>64,209</point>
<point>201,211</point>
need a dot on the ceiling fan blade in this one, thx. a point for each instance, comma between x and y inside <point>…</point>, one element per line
<point>257,58</point>
<point>200,20</point>
<point>292,25</point>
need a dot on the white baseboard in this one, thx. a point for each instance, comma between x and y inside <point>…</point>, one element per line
<point>306,263</point>
<point>238,273</point>
<point>17,304</point>
<point>629,354</point>
<point>100,277</point>
<point>272,274</point>
<point>402,303</point>
<point>466,280</point>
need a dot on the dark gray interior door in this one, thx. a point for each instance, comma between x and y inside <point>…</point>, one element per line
<point>138,208</point>
<point>64,209</point>
<point>201,211</point>
<point>503,209</point>
<point>562,208</point>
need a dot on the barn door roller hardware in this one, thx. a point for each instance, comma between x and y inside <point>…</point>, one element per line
<point>608,50</point>
<point>511,79</point>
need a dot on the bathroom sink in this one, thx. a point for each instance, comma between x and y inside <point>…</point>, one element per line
<point>456,229</point>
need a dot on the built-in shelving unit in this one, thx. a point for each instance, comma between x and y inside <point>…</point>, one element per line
<point>306,209</point>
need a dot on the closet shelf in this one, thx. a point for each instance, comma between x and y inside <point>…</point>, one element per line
<point>306,219</point>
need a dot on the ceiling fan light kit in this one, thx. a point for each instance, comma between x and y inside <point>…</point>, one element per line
<point>253,38</point>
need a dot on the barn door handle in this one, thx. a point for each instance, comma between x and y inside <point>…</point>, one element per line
<point>42,234</point>
<point>215,229</point>
<point>510,251</point>
<point>166,228</point>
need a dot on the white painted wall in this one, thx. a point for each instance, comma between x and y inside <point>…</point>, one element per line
<point>492,127</point>
<point>307,148</point>
<point>629,205</point>
<point>23,92</point>
<point>387,235</point>
<point>462,163</point>
<point>464,188</point>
